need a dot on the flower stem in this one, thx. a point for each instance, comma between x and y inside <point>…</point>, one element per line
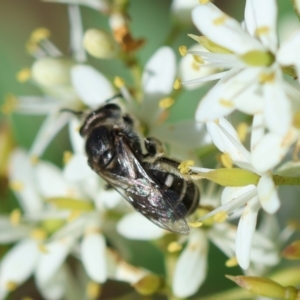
<point>284,180</point>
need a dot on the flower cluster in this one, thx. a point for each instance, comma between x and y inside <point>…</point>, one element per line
<point>73,232</point>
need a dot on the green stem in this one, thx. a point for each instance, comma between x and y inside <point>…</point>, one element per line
<point>284,180</point>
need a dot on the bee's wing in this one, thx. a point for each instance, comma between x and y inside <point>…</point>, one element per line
<point>142,191</point>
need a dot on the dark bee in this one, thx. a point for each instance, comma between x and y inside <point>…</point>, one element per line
<point>150,182</point>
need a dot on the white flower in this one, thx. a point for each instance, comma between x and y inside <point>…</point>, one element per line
<point>260,160</point>
<point>181,10</point>
<point>254,82</point>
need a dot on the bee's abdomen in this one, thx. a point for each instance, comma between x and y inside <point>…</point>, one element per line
<point>188,193</point>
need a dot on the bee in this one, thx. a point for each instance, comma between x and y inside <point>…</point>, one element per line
<point>150,182</point>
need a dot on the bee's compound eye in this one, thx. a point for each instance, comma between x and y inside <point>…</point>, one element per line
<point>106,157</point>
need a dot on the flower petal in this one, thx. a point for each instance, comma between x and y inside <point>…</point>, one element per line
<point>270,151</point>
<point>77,168</point>
<point>189,69</point>
<point>20,173</point>
<point>18,263</point>
<point>258,130</point>
<point>10,233</point>
<point>261,21</point>
<point>51,260</point>
<point>267,194</point>
<point>181,10</point>
<point>92,87</point>
<point>145,230</point>
<point>245,231</point>
<point>159,73</point>
<point>223,30</point>
<point>191,267</point>
<point>51,182</point>
<point>225,138</point>
<point>93,249</point>
<point>181,133</point>
<point>277,111</point>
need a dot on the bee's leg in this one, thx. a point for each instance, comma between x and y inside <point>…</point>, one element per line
<point>128,120</point>
<point>153,146</point>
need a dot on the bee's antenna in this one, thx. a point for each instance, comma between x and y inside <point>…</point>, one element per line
<point>114,97</point>
<point>74,112</point>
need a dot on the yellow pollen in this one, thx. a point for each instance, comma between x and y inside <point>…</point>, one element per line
<point>204,1</point>
<point>73,215</point>
<point>267,77</point>
<point>15,217</point>
<point>67,156</point>
<point>23,75</point>
<point>242,131</point>
<point>226,160</point>
<point>296,119</point>
<point>31,47</point>
<point>174,247</point>
<point>231,262</point>
<point>27,298</point>
<point>93,290</point>
<point>177,84</point>
<point>195,66</point>
<point>40,34</point>
<point>184,166</point>
<point>34,159</point>
<point>195,224</point>
<point>119,82</point>
<point>220,21</point>
<point>38,234</point>
<point>263,30</point>
<point>11,285</point>
<point>42,248</point>
<point>226,103</point>
<point>16,185</point>
<point>220,217</point>
<point>166,102</point>
<point>182,50</point>
<point>198,59</point>
<point>9,105</point>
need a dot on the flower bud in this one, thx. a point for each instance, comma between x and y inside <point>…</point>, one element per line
<point>149,285</point>
<point>264,287</point>
<point>292,251</point>
<point>49,71</point>
<point>99,43</point>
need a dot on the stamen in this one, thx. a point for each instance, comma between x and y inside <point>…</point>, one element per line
<point>242,131</point>
<point>226,160</point>
<point>231,262</point>
<point>204,1</point>
<point>40,34</point>
<point>93,290</point>
<point>75,214</point>
<point>34,159</point>
<point>11,285</point>
<point>16,185</point>
<point>195,224</point>
<point>182,50</point>
<point>177,84</point>
<point>42,248</point>
<point>119,82</point>
<point>266,77</point>
<point>23,75</point>
<point>15,217</point>
<point>220,217</point>
<point>263,30</point>
<point>198,59</point>
<point>226,103</point>
<point>38,234</point>
<point>184,167</point>
<point>67,156</point>
<point>166,102</point>
<point>221,20</point>
<point>174,247</point>
<point>9,105</point>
